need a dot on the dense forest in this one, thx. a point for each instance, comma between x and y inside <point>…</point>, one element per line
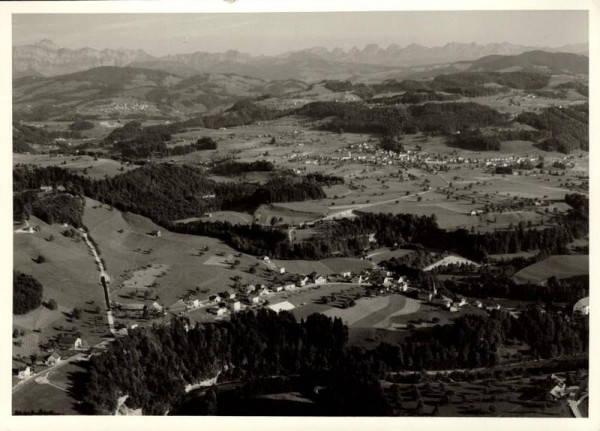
<point>465,80</point>
<point>154,364</point>
<point>468,84</point>
<point>568,127</point>
<point>472,341</point>
<point>500,286</point>
<point>442,118</point>
<point>241,113</point>
<point>24,136</point>
<point>164,192</point>
<point>53,207</point>
<point>27,293</point>
<point>232,167</point>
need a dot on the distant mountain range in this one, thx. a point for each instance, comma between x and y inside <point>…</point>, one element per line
<point>45,58</point>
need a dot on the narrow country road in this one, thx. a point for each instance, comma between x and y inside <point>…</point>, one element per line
<point>104,278</point>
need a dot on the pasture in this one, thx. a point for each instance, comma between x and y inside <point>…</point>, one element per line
<point>450,260</point>
<point>193,261</point>
<point>375,312</point>
<point>94,168</point>
<point>560,266</point>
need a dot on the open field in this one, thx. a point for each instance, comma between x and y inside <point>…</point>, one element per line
<point>378,256</point>
<point>559,266</point>
<point>95,168</point>
<point>279,214</point>
<point>375,312</point>
<point>69,276</point>
<point>126,246</point>
<point>145,276</point>
<point>450,260</point>
<point>53,392</point>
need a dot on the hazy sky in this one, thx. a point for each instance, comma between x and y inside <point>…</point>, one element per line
<point>264,33</point>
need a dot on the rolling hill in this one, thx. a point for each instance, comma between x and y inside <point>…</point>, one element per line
<point>537,60</point>
<point>108,90</point>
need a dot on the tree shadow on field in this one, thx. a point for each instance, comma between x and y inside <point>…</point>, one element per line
<point>78,380</point>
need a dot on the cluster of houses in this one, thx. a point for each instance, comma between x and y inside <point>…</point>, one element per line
<point>64,342</point>
<point>561,390</point>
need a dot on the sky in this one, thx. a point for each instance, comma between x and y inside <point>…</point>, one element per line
<point>275,33</point>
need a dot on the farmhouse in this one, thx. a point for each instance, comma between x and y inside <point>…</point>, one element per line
<point>320,280</point>
<point>218,311</point>
<point>70,342</point>
<point>285,305</point>
<point>155,233</point>
<point>195,303</point>
<point>157,307</point>
<point>52,359</point>
<point>235,306</point>
<point>24,373</point>
<point>302,281</point>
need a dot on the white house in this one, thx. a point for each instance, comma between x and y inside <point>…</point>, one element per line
<point>236,306</point>
<point>255,299</point>
<point>289,287</point>
<point>227,295</point>
<point>558,391</point>
<point>282,270</point>
<point>219,311</point>
<point>194,303</point>
<point>346,274</point>
<point>387,282</point>
<point>250,288</point>
<point>302,281</point>
<point>278,288</point>
<point>53,359</point>
<point>285,305</point>
<point>320,280</point>
<point>24,373</point>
